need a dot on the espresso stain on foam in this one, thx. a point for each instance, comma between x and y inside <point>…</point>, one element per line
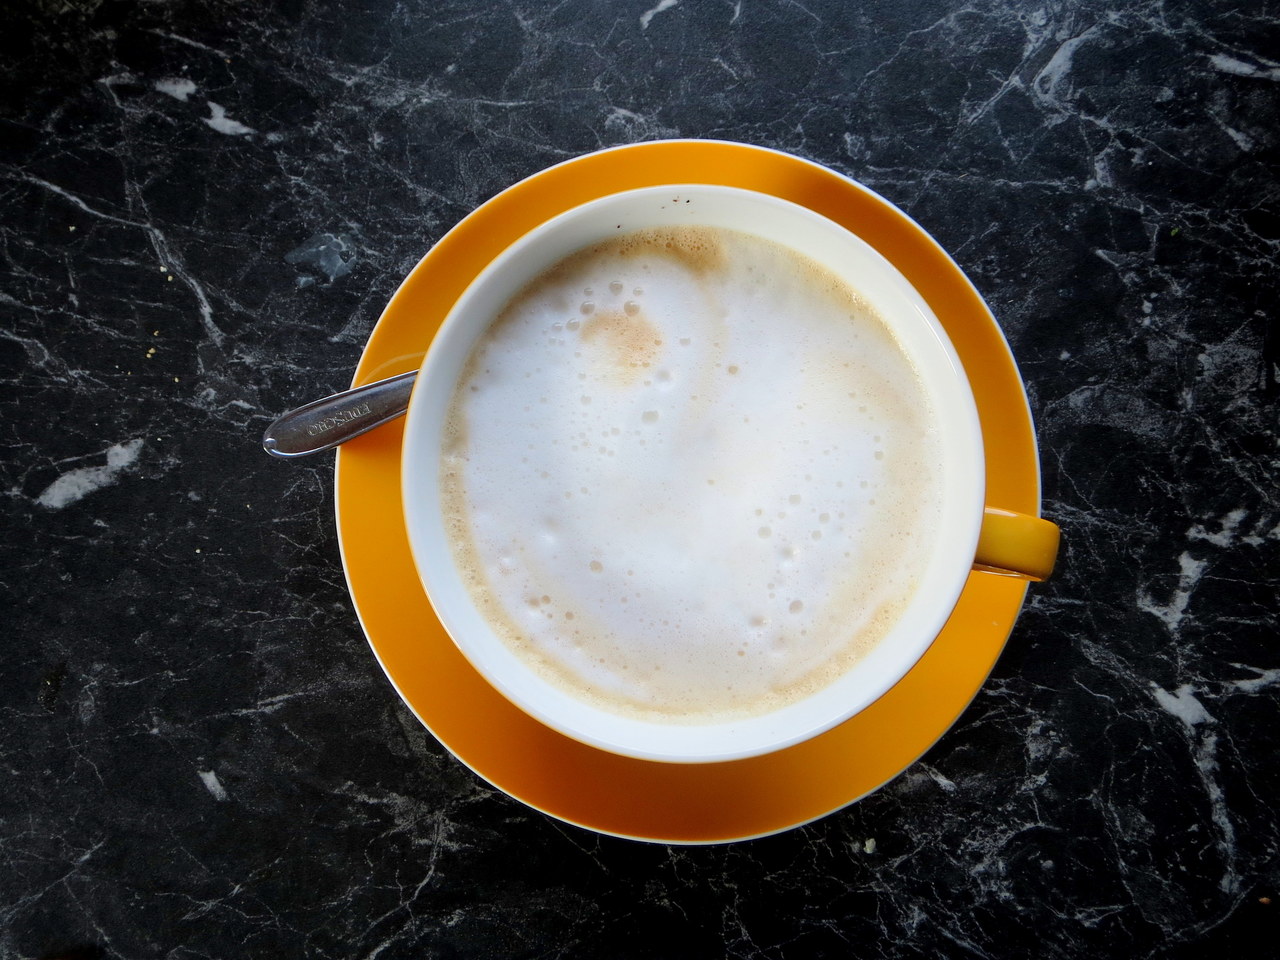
<point>622,345</point>
<point>700,250</point>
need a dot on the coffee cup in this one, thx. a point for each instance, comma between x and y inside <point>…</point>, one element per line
<point>692,474</point>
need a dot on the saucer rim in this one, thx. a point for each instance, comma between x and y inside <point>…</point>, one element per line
<point>1029,498</point>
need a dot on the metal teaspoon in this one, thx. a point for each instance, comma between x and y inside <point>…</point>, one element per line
<point>323,424</point>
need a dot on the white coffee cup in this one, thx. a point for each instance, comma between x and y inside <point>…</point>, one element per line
<point>854,262</point>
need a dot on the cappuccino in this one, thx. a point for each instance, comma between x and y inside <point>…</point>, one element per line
<point>689,475</point>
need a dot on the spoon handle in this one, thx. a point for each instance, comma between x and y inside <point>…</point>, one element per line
<point>323,424</point>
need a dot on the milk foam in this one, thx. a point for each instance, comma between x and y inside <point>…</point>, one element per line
<point>690,475</point>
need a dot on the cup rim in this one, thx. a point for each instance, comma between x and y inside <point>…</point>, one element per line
<point>427,550</point>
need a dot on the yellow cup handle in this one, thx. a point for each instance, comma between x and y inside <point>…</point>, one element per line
<point>1016,545</point>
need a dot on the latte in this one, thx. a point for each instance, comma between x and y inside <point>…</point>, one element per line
<point>689,475</point>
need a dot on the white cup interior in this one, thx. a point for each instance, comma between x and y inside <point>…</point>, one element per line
<point>850,258</point>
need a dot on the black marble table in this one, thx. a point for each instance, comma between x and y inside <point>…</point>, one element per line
<point>204,207</point>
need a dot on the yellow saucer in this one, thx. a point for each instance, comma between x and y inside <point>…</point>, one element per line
<point>674,803</point>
